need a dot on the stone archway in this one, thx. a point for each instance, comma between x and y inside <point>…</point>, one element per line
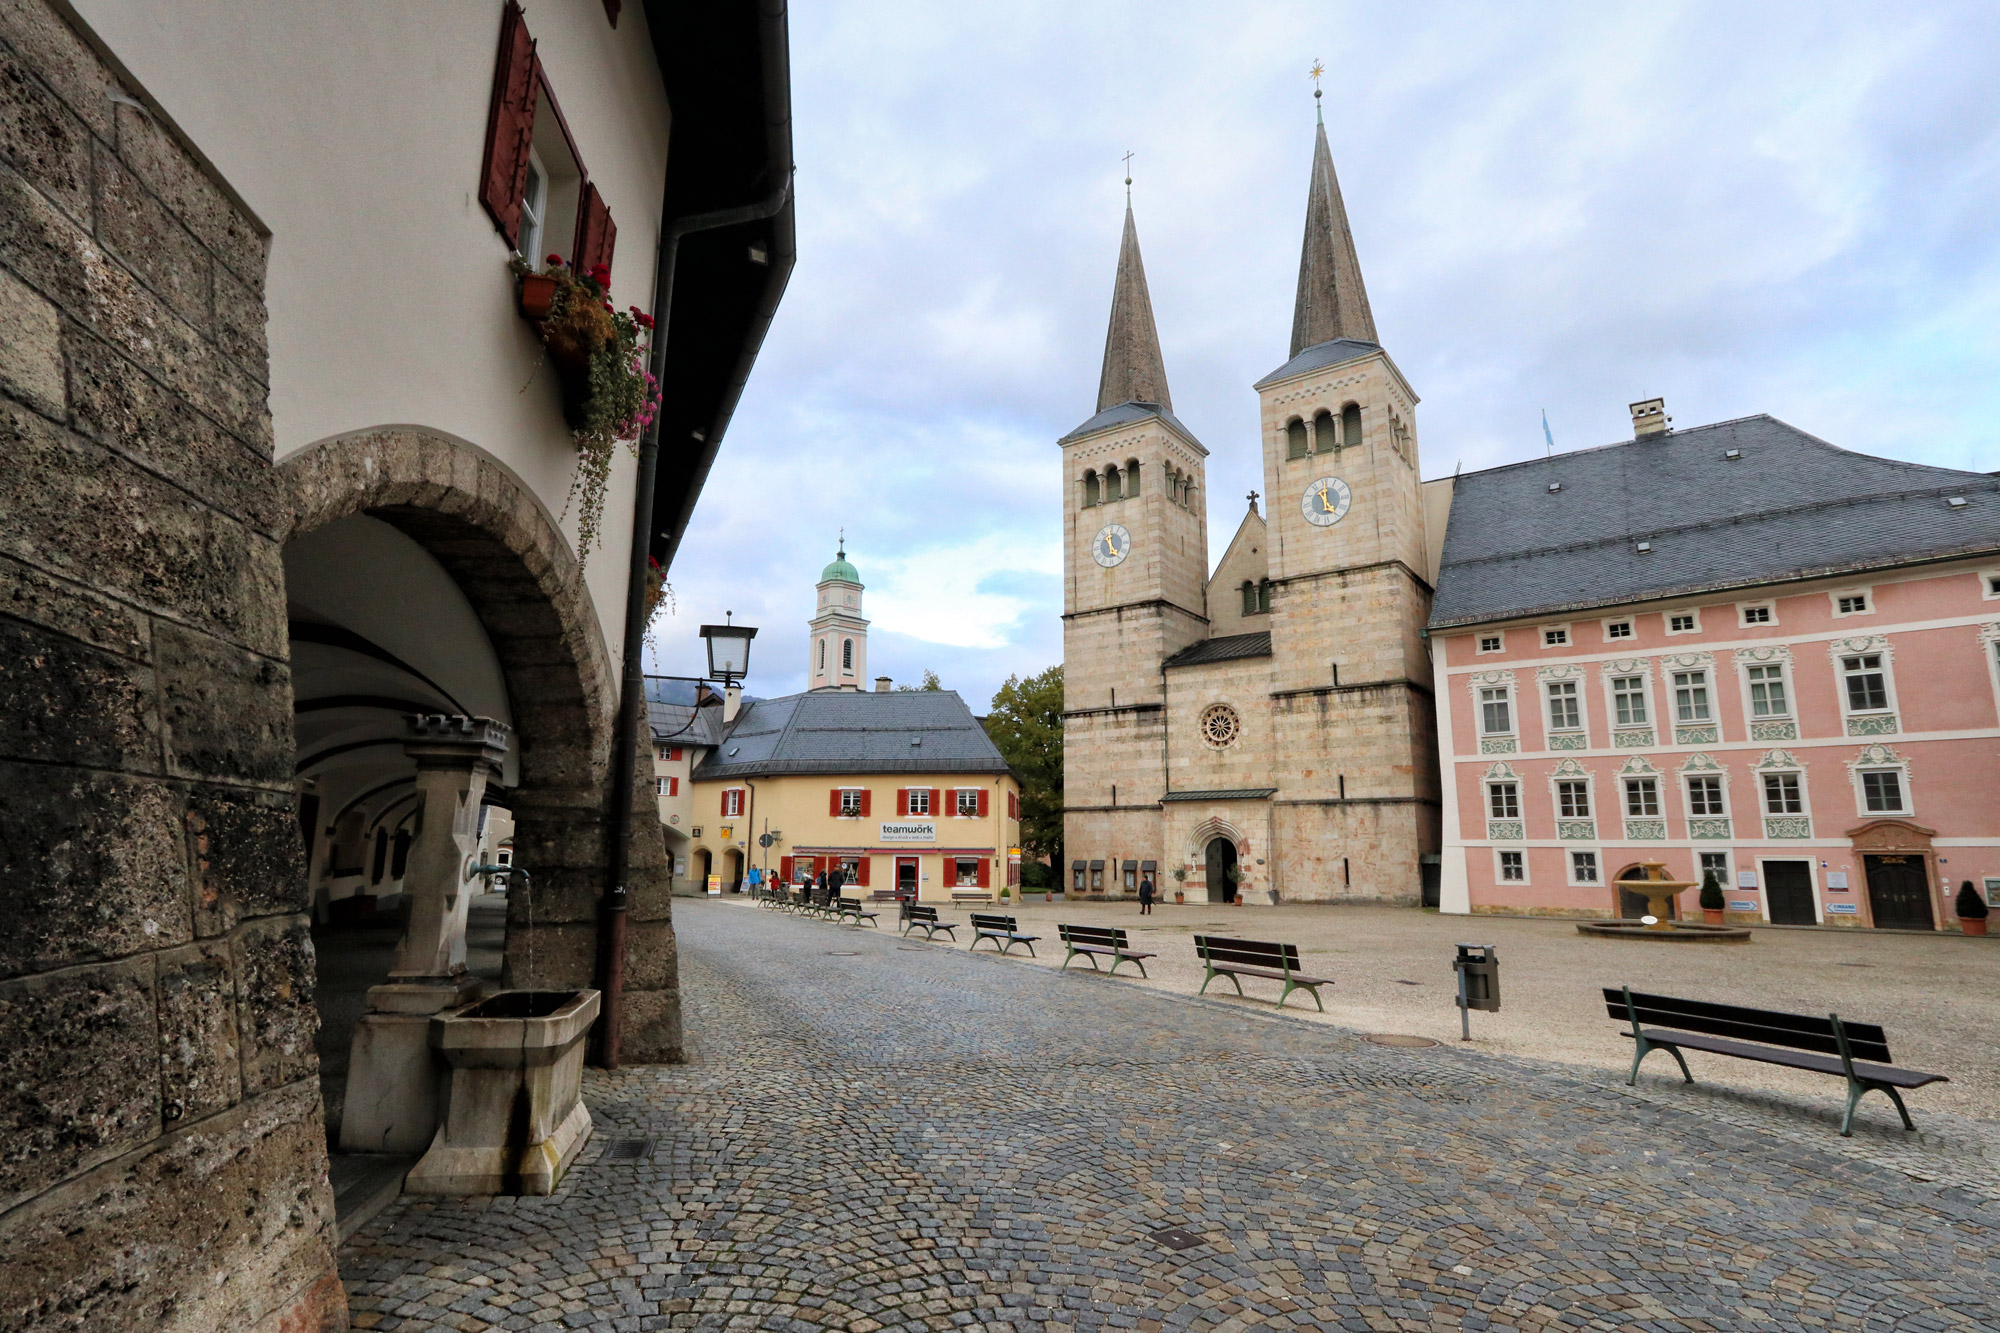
<point>1202,851</point>
<point>1900,877</point>
<point>501,546</point>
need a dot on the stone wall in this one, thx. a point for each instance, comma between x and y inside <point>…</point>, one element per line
<point>162,1153</point>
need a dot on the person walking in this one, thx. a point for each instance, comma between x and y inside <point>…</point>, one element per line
<point>1146,896</point>
<point>836,881</point>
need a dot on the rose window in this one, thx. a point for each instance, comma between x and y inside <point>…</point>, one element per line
<point>1220,726</point>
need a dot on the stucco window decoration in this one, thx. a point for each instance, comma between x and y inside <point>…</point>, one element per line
<point>1220,726</point>
<point>1503,805</point>
<point>1645,811</point>
<point>1691,691</point>
<point>1881,782</point>
<point>1767,686</point>
<point>1867,690</point>
<point>1562,690</point>
<point>1628,684</point>
<point>1707,789</point>
<point>1569,790</point>
<point>1493,707</point>
<point>1781,779</point>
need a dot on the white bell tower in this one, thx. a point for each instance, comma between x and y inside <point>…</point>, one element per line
<point>837,645</point>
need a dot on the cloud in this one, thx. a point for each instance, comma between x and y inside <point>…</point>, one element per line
<point>1743,208</point>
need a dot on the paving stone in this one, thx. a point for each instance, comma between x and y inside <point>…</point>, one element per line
<point>929,1140</point>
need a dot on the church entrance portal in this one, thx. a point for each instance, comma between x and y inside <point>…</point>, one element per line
<point>1221,860</point>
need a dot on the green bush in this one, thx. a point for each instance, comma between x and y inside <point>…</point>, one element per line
<point>1711,892</point>
<point>1971,907</point>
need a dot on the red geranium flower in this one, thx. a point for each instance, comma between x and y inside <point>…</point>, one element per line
<point>554,261</point>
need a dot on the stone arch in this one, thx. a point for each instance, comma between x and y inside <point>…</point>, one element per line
<point>503,548</point>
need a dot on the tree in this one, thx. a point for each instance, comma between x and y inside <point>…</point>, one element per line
<point>930,682</point>
<point>1026,726</point>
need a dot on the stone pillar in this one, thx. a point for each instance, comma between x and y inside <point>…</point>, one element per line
<point>392,1082</point>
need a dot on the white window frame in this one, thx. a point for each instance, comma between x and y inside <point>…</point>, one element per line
<point>1493,786</point>
<point>1743,610</point>
<point>1574,697</point>
<point>1727,873</point>
<point>1687,792</point>
<point>534,210</point>
<point>1631,629</point>
<point>1573,854</point>
<point>1875,646</point>
<point>1629,782</point>
<point>1479,648</point>
<point>1764,792</point>
<point>1989,585</point>
<point>1866,594</point>
<point>1784,683</point>
<point>1480,702</point>
<point>1565,641</point>
<point>1880,758</point>
<point>959,802</point>
<point>1589,797</point>
<point>1613,673</point>
<point>1707,685</point>
<point>1693,613</point>
<point>850,796</point>
<point>1499,865</point>
<point>911,800</point>
<point>732,802</point>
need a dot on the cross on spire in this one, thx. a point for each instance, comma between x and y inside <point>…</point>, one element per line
<point>1128,178</point>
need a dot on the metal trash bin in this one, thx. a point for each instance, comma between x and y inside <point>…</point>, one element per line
<point>1478,969</point>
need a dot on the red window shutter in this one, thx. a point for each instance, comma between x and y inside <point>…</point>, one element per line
<point>861,867</point>
<point>674,754</point>
<point>596,233</point>
<point>833,801</point>
<point>510,127</point>
<point>982,802</point>
<point>937,807</point>
<point>785,869</point>
<point>902,801</point>
<point>725,803</point>
<point>865,802</point>
<point>673,786</point>
<point>984,871</point>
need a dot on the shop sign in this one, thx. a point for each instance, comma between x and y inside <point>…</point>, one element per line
<point>909,830</point>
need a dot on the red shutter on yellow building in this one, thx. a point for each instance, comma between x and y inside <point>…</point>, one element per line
<point>861,866</point>
<point>833,801</point>
<point>985,875</point>
<point>785,869</point>
<point>865,802</point>
<point>936,808</point>
<point>902,801</point>
<point>725,804</point>
<point>510,127</point>
<point>982,802</point>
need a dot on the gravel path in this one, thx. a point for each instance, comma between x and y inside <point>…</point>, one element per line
<point>874,1134</point>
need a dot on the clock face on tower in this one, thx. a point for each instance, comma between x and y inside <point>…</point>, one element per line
<point>1325,501</point>
<point>1112,544</point>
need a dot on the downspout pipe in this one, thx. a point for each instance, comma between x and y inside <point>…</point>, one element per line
<point>632,694</point>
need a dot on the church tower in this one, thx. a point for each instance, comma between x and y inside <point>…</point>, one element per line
<point>1135,548</point>
<point>837,643</point>
<point>1351,685</point>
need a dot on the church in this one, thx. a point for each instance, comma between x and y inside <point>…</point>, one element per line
<point>1268,729</point>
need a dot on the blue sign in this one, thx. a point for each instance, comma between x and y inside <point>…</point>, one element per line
<point>1842,907</point>
<point>1742,907</point>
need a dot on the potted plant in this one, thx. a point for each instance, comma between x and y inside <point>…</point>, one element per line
<point>1971,910</point>
<point>1711,899</point>
<point>1235,876</point>
<point>1180,876</point>
<point>601,358</point>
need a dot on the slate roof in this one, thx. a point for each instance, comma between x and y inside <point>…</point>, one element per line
<point>680,724</point>
<point>1124,414</point>
<point>1793,506</point>
<point>1225,649</point>
<point>1232,794</point>
<point>1318,357</point>
<point>842,731</point>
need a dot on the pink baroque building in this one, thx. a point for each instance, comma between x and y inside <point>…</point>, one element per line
<point>1734,647</point>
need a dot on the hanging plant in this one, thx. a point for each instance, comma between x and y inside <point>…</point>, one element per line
<point>600,354</point>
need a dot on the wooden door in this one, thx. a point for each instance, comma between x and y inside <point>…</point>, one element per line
<point>1899,892</point>
<point>1788,893</point>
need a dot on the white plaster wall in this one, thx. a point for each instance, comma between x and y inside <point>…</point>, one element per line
<point>356,130</point>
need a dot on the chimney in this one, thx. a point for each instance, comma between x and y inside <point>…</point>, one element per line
<point>1650,418</point>
<point>881,684</point>
<point>732,701</point>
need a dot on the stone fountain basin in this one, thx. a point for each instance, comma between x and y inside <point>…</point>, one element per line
<point>1681,932</point>
<point>513,1114</point>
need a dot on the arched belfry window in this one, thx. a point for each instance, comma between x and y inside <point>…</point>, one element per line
<point>1295,438</point>
<point>1132,479</point>
<point>1325,441</point>
<point>847,654</point>
<point>1091,495</point>
<point>1350,425</point>
<point>1111,488</point>
<point>1249,598</point>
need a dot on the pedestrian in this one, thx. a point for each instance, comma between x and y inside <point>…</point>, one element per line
<point>1146,896</point>
<point>837,881</point>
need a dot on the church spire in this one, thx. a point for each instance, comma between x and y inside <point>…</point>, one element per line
<point>1133,370</point>
<point>1332,302</point>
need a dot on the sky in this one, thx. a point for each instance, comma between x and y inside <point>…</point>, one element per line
<point>1742,208</point>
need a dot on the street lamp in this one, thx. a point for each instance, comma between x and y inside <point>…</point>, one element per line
<point>728,650</point>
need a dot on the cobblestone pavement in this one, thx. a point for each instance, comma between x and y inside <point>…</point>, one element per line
<point>874,1134</point>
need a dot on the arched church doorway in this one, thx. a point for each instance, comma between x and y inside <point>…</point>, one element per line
<point>704,866</point>
<point>1221,858</point>
<point>1632,904</point>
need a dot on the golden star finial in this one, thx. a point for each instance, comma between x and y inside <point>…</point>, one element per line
<point>1317,70</point>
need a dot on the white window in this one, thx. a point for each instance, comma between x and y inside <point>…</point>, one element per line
<point>1853,602</point>
<point>1617,629</point>
<point>1866,683</point>
<point>1705,795</point>
<point>1555,636</point>
<point>732,802</point>
<point>1628,700</point>
<point>1716,863</point>
<point>1691,696</point>
<point>670,786</point>
<point>1583,868</point>
<point>1990,582</point>
<point>1757,615</point>
<point>965,873</point>
<point>850,803</point>
<point>1642,797</point>
<point>1491,643</point>
<point>920,800</point>
<point>1783,794</point>
<point>1496,714</point>
<point>1573,799</point>
<point>1684,622</point>
<point>1767,691</point>
<point>968,802</point>
<point>1503,800</point>
<point>1565,711</point>
<point>534,210</point>
<point>1513,868</point>
<point>1882,792</point>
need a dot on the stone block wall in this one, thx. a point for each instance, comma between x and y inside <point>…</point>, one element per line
<point>162,1152</point>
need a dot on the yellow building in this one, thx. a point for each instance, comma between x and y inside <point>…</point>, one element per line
<point>898,789</point>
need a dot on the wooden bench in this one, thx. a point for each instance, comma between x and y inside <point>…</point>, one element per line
<point>972,895</point>
<point>1002,930</point>
<point>1090,941</point>
<point>844,908</point>
<point>1858,1052</point>
<point>916,916</point>
<point>1256,958</point>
